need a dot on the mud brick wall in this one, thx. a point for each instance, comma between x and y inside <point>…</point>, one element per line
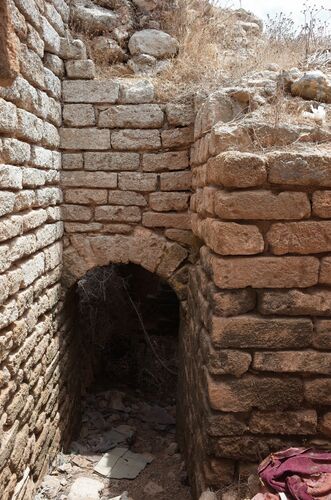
<point>260,335</point>
<point>35,396</point>
<point>126,179</point>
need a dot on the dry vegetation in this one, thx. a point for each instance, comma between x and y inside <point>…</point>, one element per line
<point>213,51</point>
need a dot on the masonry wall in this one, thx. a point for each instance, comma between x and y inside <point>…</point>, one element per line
<point>258,350</point>
<point>34,396</point>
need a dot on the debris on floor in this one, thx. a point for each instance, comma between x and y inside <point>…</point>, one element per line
<point>208,495</point>
<point>126,450</point>
<point>296,473</point>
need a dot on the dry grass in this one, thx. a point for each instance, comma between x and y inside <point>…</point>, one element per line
<point>212,53</point>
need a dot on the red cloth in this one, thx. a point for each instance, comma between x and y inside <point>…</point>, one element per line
<point>300,473</point>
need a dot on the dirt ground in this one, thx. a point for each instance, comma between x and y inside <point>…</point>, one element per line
<point>153,425</point>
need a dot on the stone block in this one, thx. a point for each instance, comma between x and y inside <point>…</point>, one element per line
<point>145,116</point>
<point>325,424</point>
<point>137,181</point>
<point>111,161</point>
<point>176,181</point>
<point>248,331</point>
<point>86,196</point>
<point>322,334</point>
<point>226,424</point>
<point>159,162</point>
<point>41,157</point>
<point>32,177</point>
<point>136,140</point>
<point>76,213</point>
<point>33,219</point>
<point>265,272</point>
<point>98,91</point>
<point>55,64</point>
<point>105,180</point>
<point>299,169</point>
<point>126,198</point>
<point>166,202</point>
<point>80,69</point>
<point>181,236</point>
<point>72,49</point>
<point>78,115</point>
<point>7,202</point>
<point>87,138</point>
<point>15,152</point>
<point>177,137</point>
<point>322,204</point>
<point>228,238</point>
<point>263,393</point>
<point>310,362</point>
<point>317,392</point>
<point>10,227</point>
<point>237,170</point>
<point>117,214</point>
<point>177,221</point>
<point>228,362</point>
<point>180,115</point>
<point>286,422</point>
<point>136,91</point>
<point>172,257</point>
<point>10,177</point>
<point>295,302</point>
<point>8,116</point>
<point>300,237</point>
<point>72,161</point>
<point>261,205</point>
<point>233,302</point>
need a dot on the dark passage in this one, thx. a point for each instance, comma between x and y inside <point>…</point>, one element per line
<point>128,326</point>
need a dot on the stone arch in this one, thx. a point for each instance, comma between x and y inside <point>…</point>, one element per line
<point>144,247</point>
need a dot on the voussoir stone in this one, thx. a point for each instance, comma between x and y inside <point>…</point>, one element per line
<point>154,43</point>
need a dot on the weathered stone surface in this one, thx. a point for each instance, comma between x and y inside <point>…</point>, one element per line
<point>172,160</point>
<point>322,334</point>
<point>72,161</point>
<point>295,302</point>
<point>71,49</point>
<point>132,116</point>
<point>136,91</point>
<point>325,424</point>
<point>228,362</point>
<point>78,115</point>
<point>236,169</point>
<point>93,17</point>
<point>80,69</point>
<point>303,362</point>
<point>136,181</point>
<point>10,177</point>
<point>117,214</point>
<point>231,303</point>
<point>228,238</point>
<point>181,236</point>
<point>8,117</point>
<point>126,198</point>
<point>300,237</point>
<point>89,179</point>
<point>262,205</point>
<point>176,181</point>
<point>173,256</point>
<point>325,273</point>
<point>76,213</point>
<point>177,137</point>
<point>85,487</point>
<point>286,422</point>
<point>180,115</point>
<point>111,161</point>
<point>97,91</point>
<point>136,140</point>
<point>165,202</point>
<point>153,42</point>
<point>265,272</point>
<point>318,391</point>
<point>226,424</point>
<point>255,392</point>
<point>178,221</point>
<point>322,204</point>
<point>299,169</point>
<point>73,138</point>
<point>86,196</point>
<point>252,331</point>
<point>313,85</point>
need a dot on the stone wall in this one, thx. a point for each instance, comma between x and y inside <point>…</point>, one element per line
<point>34,395</point>
<point>126,179</point>
<point>259,339</point>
